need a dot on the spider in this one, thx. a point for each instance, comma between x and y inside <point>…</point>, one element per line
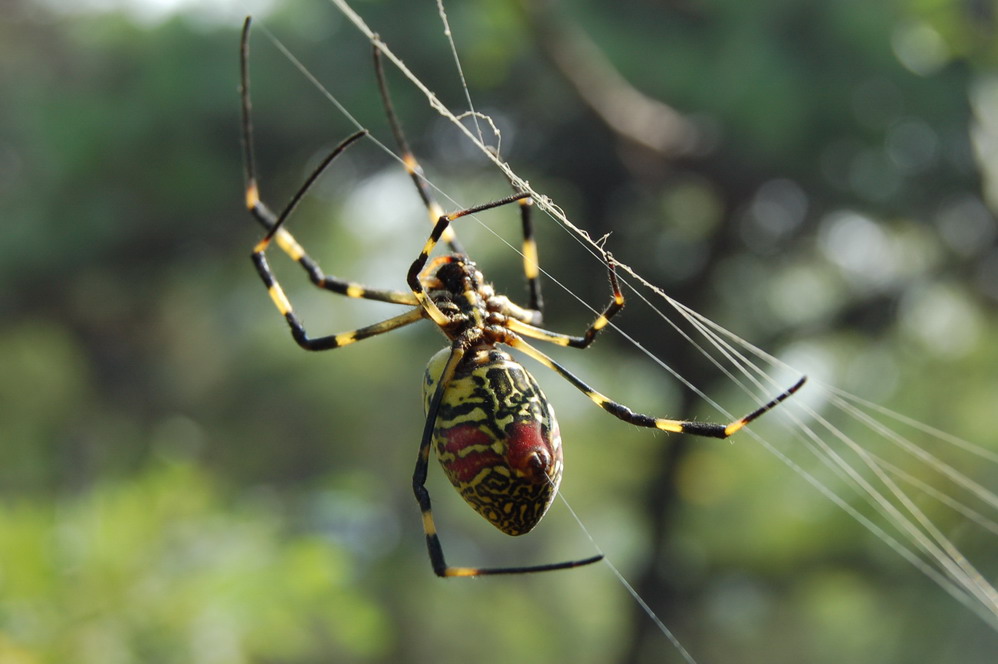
<point>494,432</point>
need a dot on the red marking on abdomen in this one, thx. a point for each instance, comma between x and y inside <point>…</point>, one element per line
<point>528,451</point>
<point>465,466</point>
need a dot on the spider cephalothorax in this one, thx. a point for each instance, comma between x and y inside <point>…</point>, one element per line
<point>456,287</point>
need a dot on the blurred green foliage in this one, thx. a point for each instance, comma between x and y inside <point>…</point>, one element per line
<point>180,483</point>
<point>162,568</point>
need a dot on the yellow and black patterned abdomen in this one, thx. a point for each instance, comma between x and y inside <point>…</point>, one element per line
<point>497,438</point>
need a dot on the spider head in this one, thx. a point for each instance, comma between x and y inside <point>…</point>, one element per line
<point>458,274</point>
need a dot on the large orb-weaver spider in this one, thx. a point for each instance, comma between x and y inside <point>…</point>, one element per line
<point>493,430</point>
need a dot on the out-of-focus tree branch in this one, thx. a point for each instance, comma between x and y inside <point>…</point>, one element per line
<point>625,110</point>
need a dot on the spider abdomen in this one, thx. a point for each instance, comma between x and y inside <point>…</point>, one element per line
<point>497,438</point>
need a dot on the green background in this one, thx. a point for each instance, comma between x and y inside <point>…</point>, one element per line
<point>181,483</point>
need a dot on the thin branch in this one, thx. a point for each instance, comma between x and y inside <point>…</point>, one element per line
<point>626,111</point>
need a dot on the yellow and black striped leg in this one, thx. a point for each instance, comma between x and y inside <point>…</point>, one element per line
<point>532,314</point>
<point>620,411</point>
<point>437,559</point>
<point>439,229</point>
<point>259,210</point>
<point>327,342</point>
<point>353,290</point>
<point>531,262</point>
<point>612,309</point>
<point>409,159</point>
<point>315,273</point>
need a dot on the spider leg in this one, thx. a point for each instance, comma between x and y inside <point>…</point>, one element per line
<point>408,158</point>
<point>439,230</point>
<point>622,412</point>
<point>531,264</point>
<point>435,549</point>
<point>531,268</point>
<point>584,341</point>
<point>271,222</point>
<point>331,341</point>
<point>282,303</point>
<point>533,313</point>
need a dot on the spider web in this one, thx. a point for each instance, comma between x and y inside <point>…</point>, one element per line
<point>892,512</point>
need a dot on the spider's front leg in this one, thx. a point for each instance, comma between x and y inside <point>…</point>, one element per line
<point>439,228</point>
<point>281,300</point>
<point>272,223</point>
<point>616,304</point>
